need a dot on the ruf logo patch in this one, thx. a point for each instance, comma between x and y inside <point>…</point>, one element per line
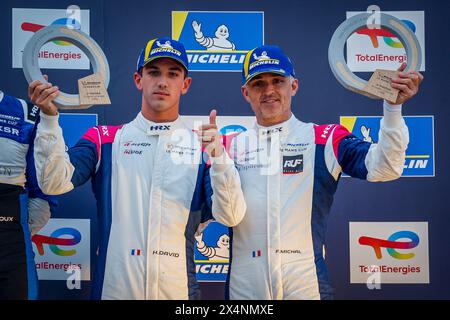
<point>293,164</point>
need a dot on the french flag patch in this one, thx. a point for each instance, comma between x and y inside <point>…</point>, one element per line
<point>135,252</point>
<point>256,253</point>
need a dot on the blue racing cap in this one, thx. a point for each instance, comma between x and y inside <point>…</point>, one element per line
<point>163,48</point>
<point>266,59</point>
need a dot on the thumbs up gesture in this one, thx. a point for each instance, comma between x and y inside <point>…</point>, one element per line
<point>209,136</point>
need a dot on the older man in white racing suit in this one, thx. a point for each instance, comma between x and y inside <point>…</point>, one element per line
<point>289,173</point>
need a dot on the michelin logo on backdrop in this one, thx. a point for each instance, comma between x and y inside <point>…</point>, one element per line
<point>212,253</point>
<point>419,160</point>
<point>217,41</point>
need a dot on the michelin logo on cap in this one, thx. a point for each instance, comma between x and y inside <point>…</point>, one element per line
<point>165,47</point>
<point>217,41</point>
<point>262,60</point>
<point>266,58</point>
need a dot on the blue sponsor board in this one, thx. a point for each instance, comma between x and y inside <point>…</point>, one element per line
<point>217,40</point>
<point>420,153</point>
<point>74,125</point>
<point>212,253</point>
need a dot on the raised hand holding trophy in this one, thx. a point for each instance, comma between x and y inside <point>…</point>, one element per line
<point>379,84</point>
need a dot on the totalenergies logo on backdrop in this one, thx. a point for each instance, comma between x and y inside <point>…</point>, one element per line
<point>56,54</point>
<point>66,237</point>
<point>392,243</point>
<point>388,37</point>
<point>371,48</point>
<point>70,23</point>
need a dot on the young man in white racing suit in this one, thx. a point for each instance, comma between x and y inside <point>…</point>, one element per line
<point>289,173</point>
<point>151,181</point>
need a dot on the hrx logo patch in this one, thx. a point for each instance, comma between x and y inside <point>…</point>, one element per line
<point>293,164</point>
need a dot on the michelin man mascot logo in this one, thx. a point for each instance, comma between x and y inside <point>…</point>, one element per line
<point>221,252</point>
<point>263,56</point>
<point>366,134</point>
<point>219,43</point>
<point>164,45</point>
